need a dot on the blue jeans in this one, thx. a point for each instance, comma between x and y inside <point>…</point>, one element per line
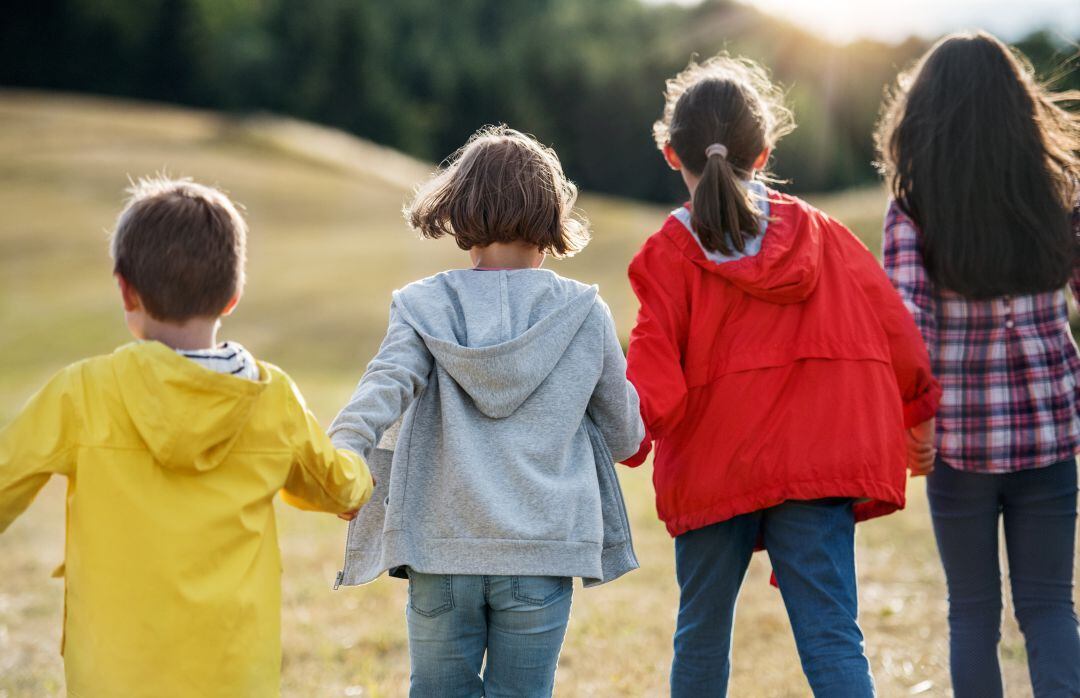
<point>453,619</point>
<point>812,549</point>
<point>1039,511</point>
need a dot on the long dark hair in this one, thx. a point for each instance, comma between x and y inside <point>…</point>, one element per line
<point>731,102</point>
<point>984,159</point>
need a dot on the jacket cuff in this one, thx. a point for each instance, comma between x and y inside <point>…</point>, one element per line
<point>923,407</point>
<point>643,452</point>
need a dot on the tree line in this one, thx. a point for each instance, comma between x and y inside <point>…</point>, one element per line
<point>584,76</point>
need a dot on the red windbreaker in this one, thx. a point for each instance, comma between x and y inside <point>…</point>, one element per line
<point>789,375</point>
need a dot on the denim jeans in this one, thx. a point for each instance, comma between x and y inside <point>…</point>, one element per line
<point>1039,511</point>
<point>454,619</point>
<point>812,548</point>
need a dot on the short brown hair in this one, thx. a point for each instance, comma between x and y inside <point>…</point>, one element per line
<point>501,186</point>
<point>731,102</point>
<point>181,245</point>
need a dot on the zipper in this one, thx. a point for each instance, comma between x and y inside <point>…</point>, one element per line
<point>345,561</point>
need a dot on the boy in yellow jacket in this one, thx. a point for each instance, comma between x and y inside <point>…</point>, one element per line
<point>174,448</point>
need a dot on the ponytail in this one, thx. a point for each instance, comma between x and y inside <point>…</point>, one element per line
<point>720,116</point>
<point>724,214</point>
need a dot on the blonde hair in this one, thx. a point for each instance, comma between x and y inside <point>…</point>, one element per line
<point>729,102</point>
<point>501,186</point>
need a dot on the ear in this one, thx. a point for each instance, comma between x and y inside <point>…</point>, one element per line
<point>672,158</point>
<point>130,296</point>
<point>762,159</point>
<point>231,305</point>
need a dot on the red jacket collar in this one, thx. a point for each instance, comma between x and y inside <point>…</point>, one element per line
<point>787,268</point>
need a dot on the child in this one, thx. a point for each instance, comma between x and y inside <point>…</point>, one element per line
<point>512,384</point>
<point>174,447</point>
<point>982,165</point>
<point>777,370</point>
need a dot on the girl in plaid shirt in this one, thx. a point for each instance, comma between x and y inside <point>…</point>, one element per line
<point>978,240</point>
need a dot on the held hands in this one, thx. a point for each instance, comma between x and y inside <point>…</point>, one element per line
<point>350,515</point>
<point>920,448</point>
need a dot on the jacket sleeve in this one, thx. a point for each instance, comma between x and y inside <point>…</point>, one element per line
<point>614,406</point>
<point>657,341</point>
<point>41,441</point>
<point>322,477</point>
<point>919,390</point>
<point>395,377</point>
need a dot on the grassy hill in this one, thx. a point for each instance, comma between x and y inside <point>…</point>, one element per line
<point>327,246</point>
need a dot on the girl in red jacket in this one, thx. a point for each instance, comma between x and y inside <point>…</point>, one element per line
<point>778,370</point>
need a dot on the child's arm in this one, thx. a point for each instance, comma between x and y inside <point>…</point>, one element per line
<point>654,358</point>
<point>323,478</point>
<point>903,262</point>
<point>614,405</point>
<point>1074,282</point>
<point>393,379</point>
<point>910,360</point>
<point>37,444</point>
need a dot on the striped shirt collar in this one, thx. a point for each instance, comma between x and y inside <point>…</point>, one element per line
<point>230,358</point>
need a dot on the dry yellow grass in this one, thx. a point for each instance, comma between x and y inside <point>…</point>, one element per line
<point>327,247</point>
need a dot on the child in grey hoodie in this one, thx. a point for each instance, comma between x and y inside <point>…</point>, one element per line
<point>491,418</point>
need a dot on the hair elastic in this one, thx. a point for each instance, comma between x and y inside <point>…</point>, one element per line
<point>716,149</point>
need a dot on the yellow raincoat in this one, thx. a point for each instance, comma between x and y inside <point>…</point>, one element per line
<point>173,573</point>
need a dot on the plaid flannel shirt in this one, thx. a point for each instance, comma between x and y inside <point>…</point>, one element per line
<point>1008,366</point>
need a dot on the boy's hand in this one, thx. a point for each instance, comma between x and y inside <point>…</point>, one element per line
<point>920,448</point>
<point>350,515</point>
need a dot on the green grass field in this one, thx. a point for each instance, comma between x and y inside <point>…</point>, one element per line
<point>327,247</point>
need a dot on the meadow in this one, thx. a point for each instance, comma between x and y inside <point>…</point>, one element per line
<point>327,247</point>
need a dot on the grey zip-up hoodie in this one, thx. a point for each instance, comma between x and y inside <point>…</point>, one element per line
<point>513,393</point>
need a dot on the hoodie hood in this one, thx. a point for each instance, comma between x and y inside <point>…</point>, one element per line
<point>497,333</point>
<point>188,416</point>
<point>787,268</point>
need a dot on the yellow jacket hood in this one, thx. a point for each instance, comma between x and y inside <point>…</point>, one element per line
<point>188,416</point>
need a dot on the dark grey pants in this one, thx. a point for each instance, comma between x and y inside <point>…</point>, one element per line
<point>1039,510</point>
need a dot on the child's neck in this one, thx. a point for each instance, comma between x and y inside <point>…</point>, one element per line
<point>506,255</point>
<point>197,333</point>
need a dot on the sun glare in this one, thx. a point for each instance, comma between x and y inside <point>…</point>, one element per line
<point>847,20</point>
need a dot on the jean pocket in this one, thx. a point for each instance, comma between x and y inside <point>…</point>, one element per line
<point>430,595</point>
<point>540,591</point>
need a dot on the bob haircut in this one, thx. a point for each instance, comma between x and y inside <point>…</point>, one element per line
<point>501,186</point>
<point>983,159</point>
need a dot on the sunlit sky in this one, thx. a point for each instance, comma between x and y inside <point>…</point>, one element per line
<point>894,20</point>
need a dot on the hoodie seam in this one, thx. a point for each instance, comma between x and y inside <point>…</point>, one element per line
<point>490,351</point>
<point>504,305</point>
<point>519,540</point>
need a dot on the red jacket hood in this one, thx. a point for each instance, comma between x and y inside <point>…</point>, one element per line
<point>787,268</point>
